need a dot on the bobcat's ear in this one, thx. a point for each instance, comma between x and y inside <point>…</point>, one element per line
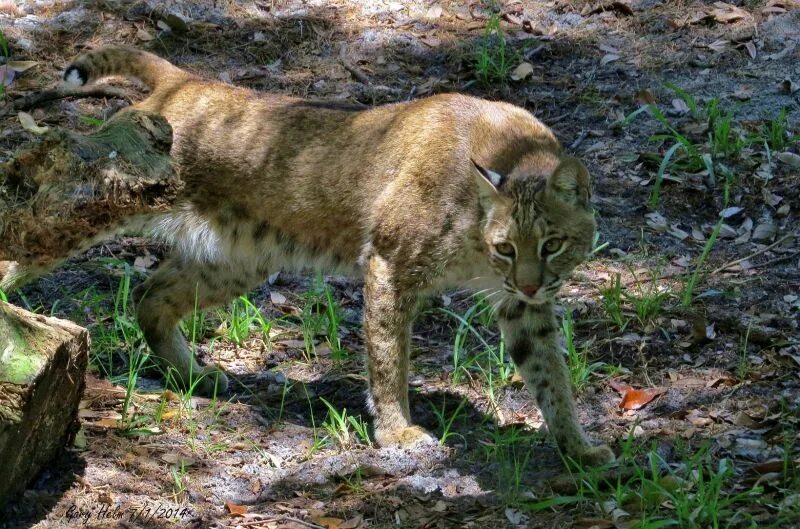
<point>489,182</point>
<point>571,182</point>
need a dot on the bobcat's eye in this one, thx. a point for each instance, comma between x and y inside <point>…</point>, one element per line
<point>553,245</point>
<point>506,249</point>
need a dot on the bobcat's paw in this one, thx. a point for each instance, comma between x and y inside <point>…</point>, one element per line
<point>596,456</point>
<point>407,437</point>
<point>211,381</point>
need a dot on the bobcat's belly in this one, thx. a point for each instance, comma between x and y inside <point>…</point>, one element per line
<point>224,237</point>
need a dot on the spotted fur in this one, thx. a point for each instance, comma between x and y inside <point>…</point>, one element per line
<point>414,196</point>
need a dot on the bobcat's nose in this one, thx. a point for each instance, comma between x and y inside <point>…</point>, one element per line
<point>529,290</point>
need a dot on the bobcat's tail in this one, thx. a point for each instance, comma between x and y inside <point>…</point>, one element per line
<point>151,69</point>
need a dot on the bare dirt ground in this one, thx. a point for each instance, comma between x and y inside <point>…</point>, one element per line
<point>725,363</point>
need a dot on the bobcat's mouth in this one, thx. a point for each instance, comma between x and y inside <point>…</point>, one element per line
<point>543,295</point>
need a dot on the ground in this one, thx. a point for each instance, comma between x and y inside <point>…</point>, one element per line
<point>691,295</point>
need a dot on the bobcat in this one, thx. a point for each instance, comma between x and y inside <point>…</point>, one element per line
<point>416,197</point>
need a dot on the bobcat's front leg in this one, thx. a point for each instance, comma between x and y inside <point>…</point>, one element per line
<point>532,339</point>
<point>388,313</point>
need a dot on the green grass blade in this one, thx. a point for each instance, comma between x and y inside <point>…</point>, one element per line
<point>655,193</point>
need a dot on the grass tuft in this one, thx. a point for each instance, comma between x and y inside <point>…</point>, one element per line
<point>493,57</point>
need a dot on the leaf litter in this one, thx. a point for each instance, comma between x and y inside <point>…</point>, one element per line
<point>709,405</point>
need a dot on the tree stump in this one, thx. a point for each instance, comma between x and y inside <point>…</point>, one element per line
<point>42,366</point>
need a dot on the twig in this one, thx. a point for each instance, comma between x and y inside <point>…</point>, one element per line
<point>279,518</point>
<point>759,252</point>
<point>301,522</point>
<point>40,98</point>
<point>568,484</point>
<point>777,260</point>
<point>260,521</point>
<point>355,71</point>
<point>578,141</point>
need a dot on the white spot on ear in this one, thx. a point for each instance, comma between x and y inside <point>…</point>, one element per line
<point>74,77</point>
<point>490,177</point>
<point>493,177</point>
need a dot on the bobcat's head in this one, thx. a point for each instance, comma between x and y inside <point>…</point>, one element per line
<point>537,229</point>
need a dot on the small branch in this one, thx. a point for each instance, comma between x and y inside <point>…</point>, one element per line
<point>356,72</point>
<point>759,252</point>
<point>777,260</point>
<point>578,141</point>
<point>40,98</point>
<point>268,519</point>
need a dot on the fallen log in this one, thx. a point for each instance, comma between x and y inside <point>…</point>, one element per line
<point>60,194</point>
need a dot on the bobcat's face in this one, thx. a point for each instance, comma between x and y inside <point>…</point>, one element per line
<point>537,231</point>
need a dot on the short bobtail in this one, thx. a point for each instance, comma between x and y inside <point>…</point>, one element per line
<point>107,61</point>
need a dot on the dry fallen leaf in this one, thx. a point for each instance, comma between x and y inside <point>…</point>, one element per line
<point>29,124</point>
<point>768,467</point>
<point>645,97</point>
<point>775,7</point>
<point>724,380</point>
<point>107,423</point>
<point>727,13</point>
<point>353,523</point>
<point>743,419</point>
<point>789,158</point>
<point>637,398</point>
<point>434,12</point>
<point>176,458</point>
<point>328,522</point>
<point>634,399</point>
<point>680,106</point>
<point>143,262</point>
<point>439,506</point>
<point>730,212</point>
<point>169,414</point>
<point>594,523</point>
<point>522,72</point>
<point>764,231</point>
<point>743,93</point>
<point>292,344</point>
<point>751,49</point>
<point>431,41</point>
<point>20,66</point>
<point>607,58</point>
<point>720,45</point>
<point>277,298</point>
<point>515,516</point>
<point>699,419</point>
<point>144,35</point>
<point>98,414</point>
<point>236,510</point>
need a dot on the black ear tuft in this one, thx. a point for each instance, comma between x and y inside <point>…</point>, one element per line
<point>76,75</point>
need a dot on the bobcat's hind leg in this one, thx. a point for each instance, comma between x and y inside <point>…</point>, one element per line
<point>176,289</point>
